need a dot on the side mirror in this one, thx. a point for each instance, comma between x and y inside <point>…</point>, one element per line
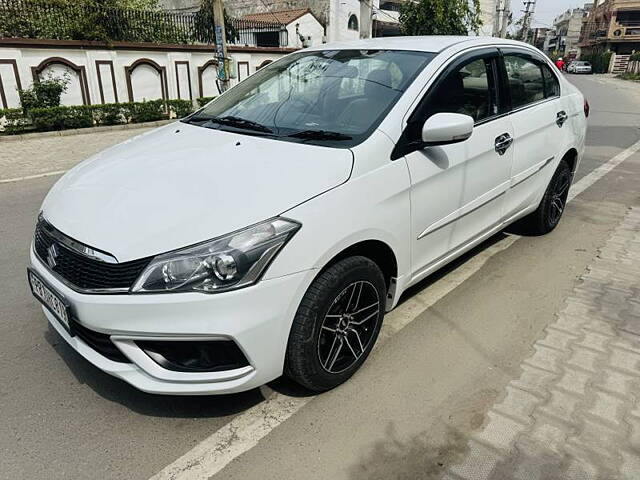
<point>447,128</point>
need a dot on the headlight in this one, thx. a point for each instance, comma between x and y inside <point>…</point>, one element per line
<point>226,263</point>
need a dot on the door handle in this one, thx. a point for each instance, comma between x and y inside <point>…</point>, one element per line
<point>561,118</point>
<point>503,142</point>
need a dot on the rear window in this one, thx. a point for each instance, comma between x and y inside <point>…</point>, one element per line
<point>551,84</point>
<point>525,80</point>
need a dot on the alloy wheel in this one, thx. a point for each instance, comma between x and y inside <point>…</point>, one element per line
<point>559,197</point>
<point>349,326</point>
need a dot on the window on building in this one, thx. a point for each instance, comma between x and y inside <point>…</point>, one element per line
<point>353,23</point>
<point>267,39</point>
<point>628,18</point>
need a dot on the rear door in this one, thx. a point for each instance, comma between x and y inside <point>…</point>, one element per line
<point>538,117</point>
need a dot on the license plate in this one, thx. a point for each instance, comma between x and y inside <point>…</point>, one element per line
<point>50,299</point>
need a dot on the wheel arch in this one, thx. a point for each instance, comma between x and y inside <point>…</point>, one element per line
<point>377,251</point>
<point>571,158</point>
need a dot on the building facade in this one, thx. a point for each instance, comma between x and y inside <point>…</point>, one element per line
<point>538,37</point>
<point>612,25</point>
<point>342,20</point>
<point>564,38</point>
<point>302,28</point>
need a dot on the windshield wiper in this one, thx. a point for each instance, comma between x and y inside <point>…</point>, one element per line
<point>230,121</point>
<point>320,135</point>
<point>241,123</point>
<point>196,119</point>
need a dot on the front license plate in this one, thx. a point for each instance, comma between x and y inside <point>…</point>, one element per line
<point>50,299</point>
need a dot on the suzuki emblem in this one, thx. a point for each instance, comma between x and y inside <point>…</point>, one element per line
<point>52,255</point>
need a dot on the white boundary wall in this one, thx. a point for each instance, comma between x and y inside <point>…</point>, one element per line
<point>122,73</point>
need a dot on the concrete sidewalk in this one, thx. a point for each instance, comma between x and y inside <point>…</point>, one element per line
<point>573,412</point>
<point>36,154</point>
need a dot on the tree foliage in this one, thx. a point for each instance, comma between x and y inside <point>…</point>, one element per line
<point>440,17</point>
<point>45,93</point>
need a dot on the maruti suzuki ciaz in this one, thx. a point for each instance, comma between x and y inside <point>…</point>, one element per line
<point>269,232</point>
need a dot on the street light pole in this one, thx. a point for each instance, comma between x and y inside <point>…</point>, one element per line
<point>221,43</point>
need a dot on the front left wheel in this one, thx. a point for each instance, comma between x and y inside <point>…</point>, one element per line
<point>337,324</point>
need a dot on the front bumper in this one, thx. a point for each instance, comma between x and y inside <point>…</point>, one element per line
<point>257,318</point>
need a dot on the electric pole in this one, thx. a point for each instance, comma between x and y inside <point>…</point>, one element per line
<point>530,7</point>
<point>496,20</point>
<point>221,43</point>
<point>506,13</point>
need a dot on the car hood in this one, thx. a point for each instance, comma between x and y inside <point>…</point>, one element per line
<point>182,184</point>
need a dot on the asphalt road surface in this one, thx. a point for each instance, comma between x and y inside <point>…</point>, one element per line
<point>407,414</point>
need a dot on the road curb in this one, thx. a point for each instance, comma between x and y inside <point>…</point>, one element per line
<point>83,131</point>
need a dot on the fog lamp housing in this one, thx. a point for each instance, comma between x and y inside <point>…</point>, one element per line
<point>195,356</point>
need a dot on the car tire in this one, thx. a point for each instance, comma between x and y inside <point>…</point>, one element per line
<point>337,324</point>
<point>548,214</point>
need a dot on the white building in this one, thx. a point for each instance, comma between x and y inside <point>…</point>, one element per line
<point>302,27</point>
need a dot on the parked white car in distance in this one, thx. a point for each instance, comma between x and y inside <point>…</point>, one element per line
<point>579,66</point>
<point>270,231</point>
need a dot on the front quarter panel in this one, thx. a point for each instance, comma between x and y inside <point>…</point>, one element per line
<point>373,205</point>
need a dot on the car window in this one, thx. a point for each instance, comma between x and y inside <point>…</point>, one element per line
<point>525,80</point>
<point>353,87</point>
<point>468,90</point>
<point>551,84</point>
<point>345,92</point>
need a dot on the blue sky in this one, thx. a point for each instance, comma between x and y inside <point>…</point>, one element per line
<point>546,10</point>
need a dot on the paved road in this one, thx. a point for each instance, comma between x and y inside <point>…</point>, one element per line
<point>408,414</point>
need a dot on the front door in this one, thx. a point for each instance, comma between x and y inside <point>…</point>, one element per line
<point>458,190</point>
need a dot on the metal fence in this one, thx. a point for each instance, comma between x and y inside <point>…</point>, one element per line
<point>77,21</point>
<point>257,34</point>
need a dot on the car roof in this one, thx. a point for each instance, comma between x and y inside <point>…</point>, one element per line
<point>430,43</point>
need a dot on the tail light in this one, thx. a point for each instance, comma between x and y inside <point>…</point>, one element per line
<point>587,108</point>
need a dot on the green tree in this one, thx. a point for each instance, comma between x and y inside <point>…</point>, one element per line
<point>440,17</point>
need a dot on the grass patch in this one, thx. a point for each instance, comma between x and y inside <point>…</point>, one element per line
<point>634,77</point>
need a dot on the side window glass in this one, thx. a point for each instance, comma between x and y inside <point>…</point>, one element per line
<point>551,84</point>
<point>525,80</point>
<point>467,90</point>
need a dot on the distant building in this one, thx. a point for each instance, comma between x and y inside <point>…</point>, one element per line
<point>612,25</point>
<point>303,28</point>
<point>538,37</point>
<point>566,33</point>
<point>342,20</point>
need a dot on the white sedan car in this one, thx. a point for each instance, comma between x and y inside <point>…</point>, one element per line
<point>271,230</point>
<point>579,67</point>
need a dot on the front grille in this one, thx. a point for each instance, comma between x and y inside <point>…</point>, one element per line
<point>100,342</point>
<point>81,271</point>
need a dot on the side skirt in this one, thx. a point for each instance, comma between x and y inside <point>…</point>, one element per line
<point>465,247</point>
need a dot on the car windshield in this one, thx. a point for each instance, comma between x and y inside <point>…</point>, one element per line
<point>330,97</point>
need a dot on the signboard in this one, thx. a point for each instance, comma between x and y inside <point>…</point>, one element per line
<point>222,73</point>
